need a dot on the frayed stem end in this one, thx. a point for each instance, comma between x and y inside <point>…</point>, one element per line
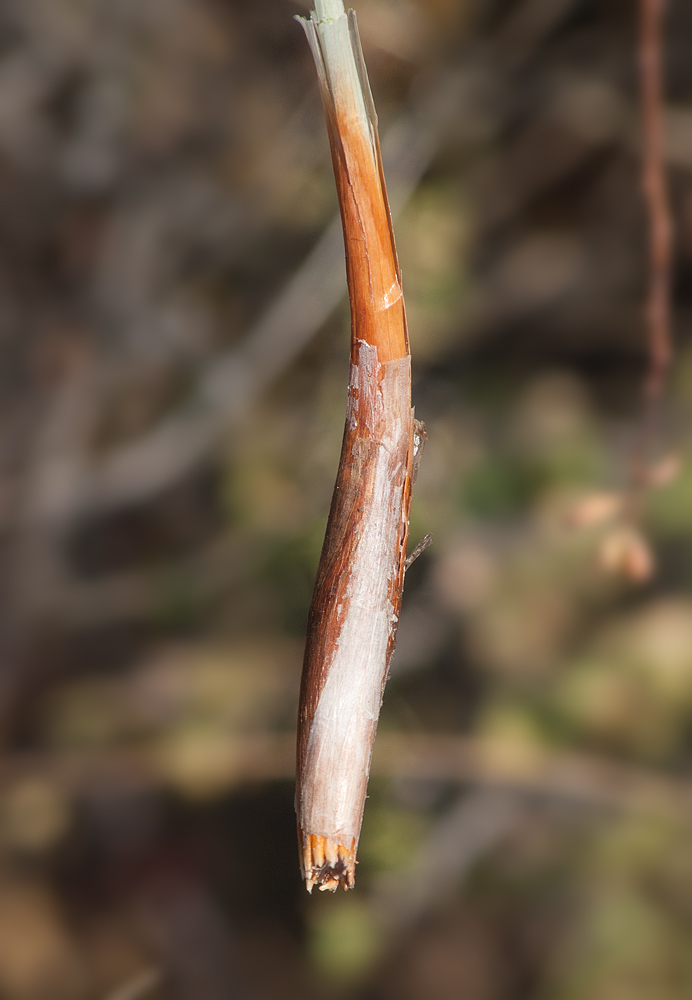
<point>328,864</point>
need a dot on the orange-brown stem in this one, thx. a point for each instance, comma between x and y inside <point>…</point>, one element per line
<point>357,598</point>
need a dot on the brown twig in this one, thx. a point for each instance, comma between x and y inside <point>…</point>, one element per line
<point>656,197</point>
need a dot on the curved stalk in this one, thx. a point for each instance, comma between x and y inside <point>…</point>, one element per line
<point>357,597</point>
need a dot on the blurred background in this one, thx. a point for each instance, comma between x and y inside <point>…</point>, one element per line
<point>172,393</point>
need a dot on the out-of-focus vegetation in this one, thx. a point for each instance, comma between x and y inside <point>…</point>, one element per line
<point>171,419</point>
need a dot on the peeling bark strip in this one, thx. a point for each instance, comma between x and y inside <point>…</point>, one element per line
<point>357,597</point>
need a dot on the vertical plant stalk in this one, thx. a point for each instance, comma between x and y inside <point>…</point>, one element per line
<point>660,228</point>
<point>355,606</point>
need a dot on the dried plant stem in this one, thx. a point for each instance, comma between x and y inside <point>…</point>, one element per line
<point>656,197</point>
<point>357,597</point>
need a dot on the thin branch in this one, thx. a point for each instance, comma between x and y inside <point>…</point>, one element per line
<point>587,780</point>
<point>660,229</point>
<point>472,827</point>
<point>75,485</point>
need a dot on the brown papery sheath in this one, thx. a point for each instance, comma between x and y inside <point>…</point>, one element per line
<point>355,606</point>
